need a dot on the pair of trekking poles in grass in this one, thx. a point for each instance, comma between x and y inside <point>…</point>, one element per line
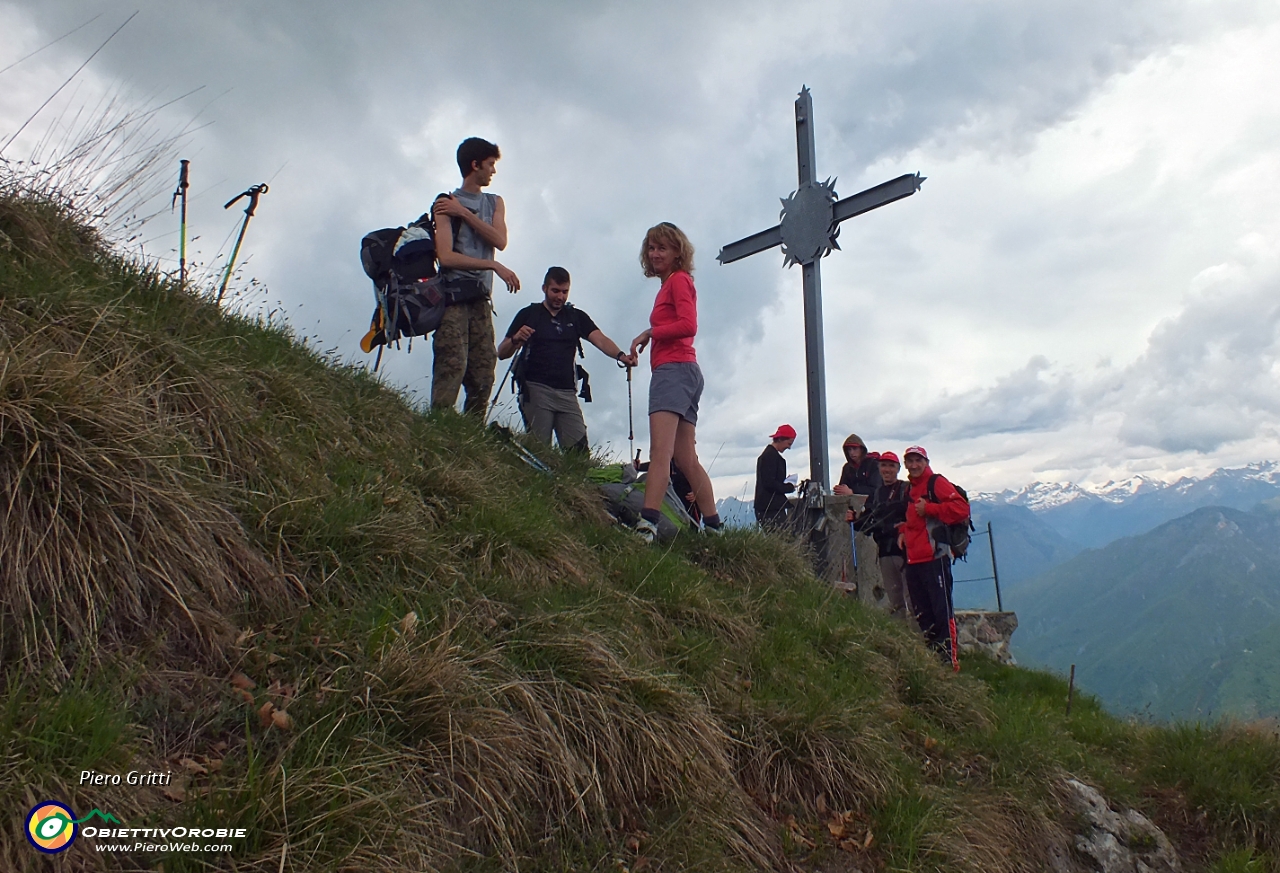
<point>180,193</point>
<point>631,426</point>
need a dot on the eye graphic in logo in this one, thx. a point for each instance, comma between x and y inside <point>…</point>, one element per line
<point>51,826</point>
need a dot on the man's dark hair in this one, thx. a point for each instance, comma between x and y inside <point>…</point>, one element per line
<point>474,150</point>
<point>559,275</point>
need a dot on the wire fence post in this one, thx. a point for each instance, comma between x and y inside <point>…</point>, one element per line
<point>995,573</point>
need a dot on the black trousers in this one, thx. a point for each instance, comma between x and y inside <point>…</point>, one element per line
<point>929,585</point>
<point>773,519</point>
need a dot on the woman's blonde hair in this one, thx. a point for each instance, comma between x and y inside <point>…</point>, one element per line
<point>673,236</point>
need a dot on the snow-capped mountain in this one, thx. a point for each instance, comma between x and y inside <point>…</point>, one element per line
<point>1119,492</point>
<point>1094,515</point>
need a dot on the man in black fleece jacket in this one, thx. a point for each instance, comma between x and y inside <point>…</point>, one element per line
<point>771,474</point>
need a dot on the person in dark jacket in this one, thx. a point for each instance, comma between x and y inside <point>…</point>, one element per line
<point>860,474</point>
<point>771,474</point>
<point>934,502</point>
<point>880,518</point>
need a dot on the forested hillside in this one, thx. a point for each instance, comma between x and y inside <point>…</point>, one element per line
<point>1175,623</point>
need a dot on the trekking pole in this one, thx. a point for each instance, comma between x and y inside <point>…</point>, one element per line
<point>493,405</point>
<point>253,194</point>
<point>181,193</point>
<point>631,423</point>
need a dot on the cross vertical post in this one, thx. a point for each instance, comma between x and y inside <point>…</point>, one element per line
<point>814,347</point>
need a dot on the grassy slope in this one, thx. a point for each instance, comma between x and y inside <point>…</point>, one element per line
<point>478,671</point>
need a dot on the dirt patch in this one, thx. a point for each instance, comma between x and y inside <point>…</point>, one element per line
<point>1185,826</point>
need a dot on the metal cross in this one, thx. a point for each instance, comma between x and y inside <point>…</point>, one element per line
<point>810,223</point>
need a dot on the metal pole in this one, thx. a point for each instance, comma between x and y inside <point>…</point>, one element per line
<point>497,394</point>
<point>806,153</point>
<point>814,347</point>
<point>253,194</point>
<point>1071,688</point>
<point>631,424</point>
<point>995,574</point>
<point>815,376</point>
<point>181,193</point>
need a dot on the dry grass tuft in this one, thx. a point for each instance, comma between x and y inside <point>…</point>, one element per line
<point>991,833</point>
<point>107,538</point>
<point>102,536</point>
<point>554,736</point>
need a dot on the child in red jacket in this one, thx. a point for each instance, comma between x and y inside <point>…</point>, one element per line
<point>933,502</point>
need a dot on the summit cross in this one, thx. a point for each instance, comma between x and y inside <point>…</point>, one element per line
<point>807,232</point>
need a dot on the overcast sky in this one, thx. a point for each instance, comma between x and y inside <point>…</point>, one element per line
<point>1086,287</point>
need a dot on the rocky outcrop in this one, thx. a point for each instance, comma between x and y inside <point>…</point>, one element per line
<point>986,632</point>
<point>1107,841</point>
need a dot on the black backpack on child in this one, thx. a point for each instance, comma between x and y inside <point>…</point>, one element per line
<point>956,535</point>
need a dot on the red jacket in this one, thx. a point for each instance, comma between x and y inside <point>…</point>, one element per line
<point>674,321</point>
<point>951,508</point>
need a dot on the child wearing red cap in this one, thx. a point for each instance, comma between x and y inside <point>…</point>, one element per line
<point>771,474</point>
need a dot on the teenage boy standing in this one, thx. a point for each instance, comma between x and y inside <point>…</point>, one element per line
<point>469,225</point>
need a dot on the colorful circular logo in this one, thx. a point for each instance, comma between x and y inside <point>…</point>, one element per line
<point>51,826</point>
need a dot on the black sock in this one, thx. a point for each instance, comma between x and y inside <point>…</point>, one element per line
<point>651,515</point>
<point>712,521</point>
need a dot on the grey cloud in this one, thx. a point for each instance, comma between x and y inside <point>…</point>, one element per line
<point>1029,399</point>
<point>1209,375</point>
<point>1206,379</point>
<point>614,116</point>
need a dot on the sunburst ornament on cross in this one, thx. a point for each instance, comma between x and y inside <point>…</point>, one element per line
<point>810,223</point>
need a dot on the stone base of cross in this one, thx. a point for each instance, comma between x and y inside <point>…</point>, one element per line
<point>810,223</point>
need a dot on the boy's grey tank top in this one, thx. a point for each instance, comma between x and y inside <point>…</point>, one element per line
<point>467,242</point>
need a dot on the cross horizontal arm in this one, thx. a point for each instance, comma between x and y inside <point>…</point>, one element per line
<point>865,201</point>
<point>757,242</point>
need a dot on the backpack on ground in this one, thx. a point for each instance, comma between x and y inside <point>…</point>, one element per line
<point>623,494</point>
<point>955,536</point>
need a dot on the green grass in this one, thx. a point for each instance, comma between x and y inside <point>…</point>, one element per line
<point>479,671</point>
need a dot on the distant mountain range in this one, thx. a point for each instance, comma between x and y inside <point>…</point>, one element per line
<point>1182,621</point>
<point>735,512</point>
<point>1093,516</point>
<point>1041,525</point>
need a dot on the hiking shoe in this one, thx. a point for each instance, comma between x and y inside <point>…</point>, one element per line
<point>646,530</point>
<point>713,531</point>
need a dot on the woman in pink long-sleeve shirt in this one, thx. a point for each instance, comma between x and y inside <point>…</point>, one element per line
<point>676,386</point>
